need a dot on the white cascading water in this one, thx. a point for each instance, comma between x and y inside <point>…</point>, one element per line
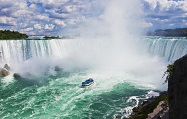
<point>22,50</point>
<point>170,49</point>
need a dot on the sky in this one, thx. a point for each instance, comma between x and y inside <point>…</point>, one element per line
<point>52,17</point>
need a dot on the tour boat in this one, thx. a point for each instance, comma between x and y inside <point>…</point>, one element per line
<point>88,82</point>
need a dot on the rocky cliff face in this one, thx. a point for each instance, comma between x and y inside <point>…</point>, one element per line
<point>177,90</point>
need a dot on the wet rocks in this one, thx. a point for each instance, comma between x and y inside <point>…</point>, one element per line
<point>118,117</point>
<point>136,109</point>
<point>7,67</point>
<point>16,76</point>
<point>5,71</point>
<point>57,68</point>
<point>19,76</point>
<point>142,111</point>
<point>160,112</point>
<point>27,79</point>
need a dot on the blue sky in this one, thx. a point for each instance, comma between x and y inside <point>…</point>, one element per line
<point>56,16</point>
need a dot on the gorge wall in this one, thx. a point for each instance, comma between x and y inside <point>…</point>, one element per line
<point>177,90</point>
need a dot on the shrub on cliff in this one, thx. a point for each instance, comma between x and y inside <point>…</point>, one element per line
<point>168,72</point>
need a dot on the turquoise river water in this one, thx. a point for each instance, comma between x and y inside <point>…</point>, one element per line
<point>47,94</point>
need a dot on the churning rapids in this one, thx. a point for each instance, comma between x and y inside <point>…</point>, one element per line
<point>120,79</point>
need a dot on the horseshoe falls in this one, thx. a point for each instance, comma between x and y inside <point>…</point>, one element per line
<point>21,50</point>
<point>122,78</point>
<point>125,68</point>
<point>170,49</point>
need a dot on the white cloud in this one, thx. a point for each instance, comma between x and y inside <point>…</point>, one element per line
<point>42,17</point>
<point>68,8</point>
<point>7,20</point>
<point>27,14</point>
<point>51,4</point>
<point>171,24</point>
<point>166,5</point>
<point>160,20</point>
<point>36,1</point>
<point>33,6</point>
<point>165,13</point>
<point>60,23</point>
<point>184,5</point>
<point>76,20</point>
<point>27,29</point>
<point>37,26</point>
<point>49,27</point>
<point>147,24</point>
<point>54,14</point>
<point>23,24</point>
<point>14,8</point>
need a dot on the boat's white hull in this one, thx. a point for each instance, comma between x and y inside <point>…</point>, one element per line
<point>88,85</point>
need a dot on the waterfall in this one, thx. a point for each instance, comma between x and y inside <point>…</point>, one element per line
<point>169,48</point>
<point>20,50</point>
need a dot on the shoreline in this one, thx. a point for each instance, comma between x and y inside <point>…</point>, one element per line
<point>150,108</point>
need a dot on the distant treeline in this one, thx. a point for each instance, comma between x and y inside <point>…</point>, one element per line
<point>178,32</point>
<point>51,37</point>
<point>7,34</point>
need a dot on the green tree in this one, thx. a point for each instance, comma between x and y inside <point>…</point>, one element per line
<point>7,34</point>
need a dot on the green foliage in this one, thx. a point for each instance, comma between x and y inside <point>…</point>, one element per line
<point>7,34</point>
<point>182,32</point>
<point>168,72</point>
<point>51,37</point>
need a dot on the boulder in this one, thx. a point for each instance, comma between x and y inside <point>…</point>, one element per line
<point>144,102</point>
<point>4,72</point>
<point>27,79</point>
<point>136,109</point>
<point>57,68</point>
<point>7,67</point>
<point>160,112</point>
<point>17,76</point>
<point>118,117</point>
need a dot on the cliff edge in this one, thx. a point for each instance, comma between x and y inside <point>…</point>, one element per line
<point>177,90</point>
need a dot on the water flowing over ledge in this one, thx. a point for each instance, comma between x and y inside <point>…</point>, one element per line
<point>60,95</point>
<point>21,50</point>
<point>170,49</point>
